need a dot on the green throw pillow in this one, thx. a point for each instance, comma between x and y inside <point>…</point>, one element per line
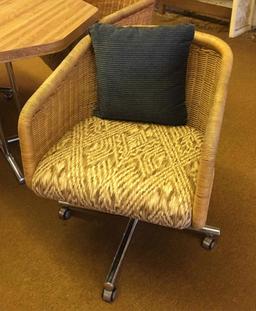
<point>141,72</point>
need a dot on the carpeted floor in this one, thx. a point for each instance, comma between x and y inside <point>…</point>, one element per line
<point>47,264</point>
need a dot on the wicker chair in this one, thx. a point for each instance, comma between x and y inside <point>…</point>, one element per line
<point>111,11</point>
<point>158,174</point>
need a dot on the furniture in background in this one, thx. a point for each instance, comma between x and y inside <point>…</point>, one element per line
<point>72,160</point>
<point>110,11</point>
<point>240,13</point>
<point>32,28</point>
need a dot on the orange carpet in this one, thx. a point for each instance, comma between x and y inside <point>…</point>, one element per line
<point>47,264</point>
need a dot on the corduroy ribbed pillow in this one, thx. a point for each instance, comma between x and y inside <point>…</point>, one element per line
<point>141,72</point>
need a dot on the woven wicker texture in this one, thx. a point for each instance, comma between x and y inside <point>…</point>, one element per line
<point>75,99</point>
<point>202,79</point>
<point>107,7</point>
<point>142,17</point>
<point>69,94</point>
<point>76,96</point>
<point>138,170</point>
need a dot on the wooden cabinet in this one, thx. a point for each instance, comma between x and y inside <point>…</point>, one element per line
<point>242,18</point>
<point>240,13</point>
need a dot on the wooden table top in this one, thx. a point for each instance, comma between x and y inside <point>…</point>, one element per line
<point>39,27</point>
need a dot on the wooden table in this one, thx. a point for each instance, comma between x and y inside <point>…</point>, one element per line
<point>38,27</point>
<point>35,28</point>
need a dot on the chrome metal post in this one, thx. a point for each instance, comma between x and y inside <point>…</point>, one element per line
<point>211,233</point>
<point>11,76</point>
<point>207,230</point>
<point>9,157</point>
<point>12,139</point>
<point>109,290</point>
<point>10,92</point>
<point>3,142</point>
<point>65,203</point>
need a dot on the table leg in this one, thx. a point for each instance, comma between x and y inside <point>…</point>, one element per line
<point>13,84</point>
<point>10,92</point>
<point>5,150</point>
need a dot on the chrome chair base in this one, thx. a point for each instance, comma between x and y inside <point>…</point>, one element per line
<point>109,288</point>
<point>211,235</point>
<point>14,166</point>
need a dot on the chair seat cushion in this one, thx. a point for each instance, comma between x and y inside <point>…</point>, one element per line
<point>144,171</point>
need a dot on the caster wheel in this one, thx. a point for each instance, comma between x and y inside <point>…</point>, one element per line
<point>8,95</point>
<point>209,242</point>
<point>109,295</point>
<point>64,213</point>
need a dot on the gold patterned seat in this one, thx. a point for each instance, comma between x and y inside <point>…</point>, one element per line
<point>159,174</point>
<point>143,171</point>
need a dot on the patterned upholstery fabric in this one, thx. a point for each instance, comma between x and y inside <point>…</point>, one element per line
<point>138,170</point>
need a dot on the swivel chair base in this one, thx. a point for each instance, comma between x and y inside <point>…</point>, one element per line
<point>109,288</point>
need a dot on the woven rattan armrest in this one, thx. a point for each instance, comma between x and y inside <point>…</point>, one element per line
<point>64,99</point>
<point>207,116</point>
<point>47,115</point>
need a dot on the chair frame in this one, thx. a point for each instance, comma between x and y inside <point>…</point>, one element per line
<point>57,92</point>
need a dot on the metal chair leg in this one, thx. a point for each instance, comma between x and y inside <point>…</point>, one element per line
<point>211,233</point>
<point>12,139</point>
<point>109,289</point>
<point>8,156</point>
